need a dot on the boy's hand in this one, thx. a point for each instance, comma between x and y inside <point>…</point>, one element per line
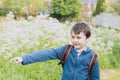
<point>17,60</point>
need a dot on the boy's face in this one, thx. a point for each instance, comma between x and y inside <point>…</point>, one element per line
<point>78,40</point>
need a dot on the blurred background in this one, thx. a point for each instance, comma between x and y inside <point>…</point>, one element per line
<point>30,25</point>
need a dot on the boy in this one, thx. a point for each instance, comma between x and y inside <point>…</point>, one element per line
<point>76,65</point>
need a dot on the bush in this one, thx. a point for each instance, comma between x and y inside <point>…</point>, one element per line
<point>4,11</point>
<point>66,9</point>
<point>20,6</point>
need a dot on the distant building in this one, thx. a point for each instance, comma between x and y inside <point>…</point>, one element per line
<point>88,7</point>
<point>107,20</point>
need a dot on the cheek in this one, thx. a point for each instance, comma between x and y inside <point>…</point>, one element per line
<point>76,41</point>
<point>72,41</point>
<point>82,41</point>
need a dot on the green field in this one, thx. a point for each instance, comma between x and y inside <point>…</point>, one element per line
<point>110,74</point>
<point>21,37</point>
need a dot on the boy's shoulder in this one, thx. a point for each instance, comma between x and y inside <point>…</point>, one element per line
<point>90,51</point>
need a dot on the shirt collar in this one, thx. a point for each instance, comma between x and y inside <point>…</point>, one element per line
<point>84,50</point>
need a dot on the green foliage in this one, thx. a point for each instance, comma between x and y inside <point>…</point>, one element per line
<point>20,7</point>
<point>116,6</point>
<point>110,74</point>
<point>107,46</point>
<point>105,42</point>
<point>66,9</point>
<point>116,51</point>
<point>4,11</point>
<point>101,7</point>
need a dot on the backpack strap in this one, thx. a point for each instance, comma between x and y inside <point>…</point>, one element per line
<point>65,54</point>
<point>92,61</point>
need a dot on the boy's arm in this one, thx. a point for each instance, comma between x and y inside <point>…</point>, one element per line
<point>43,55</point>
<point>95,72</point>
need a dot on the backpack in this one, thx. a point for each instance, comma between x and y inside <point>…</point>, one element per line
<point>67,52</point>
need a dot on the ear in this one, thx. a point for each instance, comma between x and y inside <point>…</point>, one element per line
<point>88,39</point>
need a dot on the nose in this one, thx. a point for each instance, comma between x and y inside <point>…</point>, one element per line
<point>74,40</point>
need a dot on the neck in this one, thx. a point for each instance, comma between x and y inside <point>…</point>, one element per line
<point>81,49</point>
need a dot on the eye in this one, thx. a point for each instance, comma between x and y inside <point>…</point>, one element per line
<point>78,37</point>
<point>72,37</point>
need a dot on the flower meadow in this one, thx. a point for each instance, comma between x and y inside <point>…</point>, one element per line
<point>19,37</point>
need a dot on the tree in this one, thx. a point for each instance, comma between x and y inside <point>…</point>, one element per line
<point>101,7</point>
<point>116,6</point>
<point>23,6</point>
<point>65,9</point>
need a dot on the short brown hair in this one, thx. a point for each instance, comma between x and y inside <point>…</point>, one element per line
<point>81,27</point>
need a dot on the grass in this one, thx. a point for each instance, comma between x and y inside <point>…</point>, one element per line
<point>22,37</point>
<point>110,74</point>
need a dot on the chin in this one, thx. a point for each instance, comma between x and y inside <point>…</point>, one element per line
<point>76,47</point>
